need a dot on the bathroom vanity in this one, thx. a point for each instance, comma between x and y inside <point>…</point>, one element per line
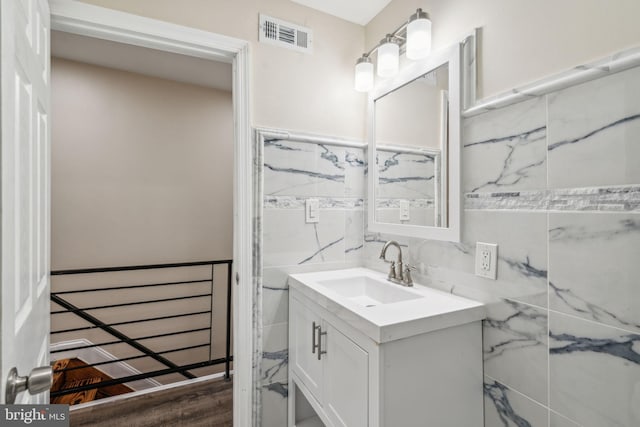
<point>367,352</point>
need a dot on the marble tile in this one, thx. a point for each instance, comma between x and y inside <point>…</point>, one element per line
<point>330,163</point>
<point>293,168</point>
<point>405,176</point>
<point>275,296</point>
<point>557,420</point>
<point>288,240</point>
<point>274,405</point>
<point>515,335</point>
<point>388,215</point>
<point>612,63</point>
<point>593,132</point>
<point>299,202</point>
<point>504,407</point>
<point>417,216</point>
<point>600,199</point>
<point>594,268</point>
<point>355,163</point>
<point>522,253</point>
<point>354,235</point>
<point>594,372</point>
<point>505,149</point>
<point>275,353</point>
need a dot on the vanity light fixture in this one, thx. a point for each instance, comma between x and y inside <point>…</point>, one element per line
<point>418,35</point>
<point>388,57</point>
<point>364,74</point>
<point>414,35</point>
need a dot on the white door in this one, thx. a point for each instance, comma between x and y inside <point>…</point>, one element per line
<point>24,183</point>
<point>346,386</point>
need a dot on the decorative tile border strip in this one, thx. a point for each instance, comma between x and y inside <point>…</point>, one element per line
<point>582,73</point>
<point>395,203</point>
<point>603,199</point>
<point>298,202</point>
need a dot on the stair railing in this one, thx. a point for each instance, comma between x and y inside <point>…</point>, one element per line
<point>91,315</point>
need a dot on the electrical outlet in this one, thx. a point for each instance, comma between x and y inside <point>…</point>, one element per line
<point>487,260</point>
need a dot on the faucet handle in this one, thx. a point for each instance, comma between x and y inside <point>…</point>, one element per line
<point>392,270</point>
<point>406,276</point>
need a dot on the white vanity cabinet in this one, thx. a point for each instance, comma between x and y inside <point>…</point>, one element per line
<point>332,368</point>
<point>343,375</point>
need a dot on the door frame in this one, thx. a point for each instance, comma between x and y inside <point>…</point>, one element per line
<point>93,21</point>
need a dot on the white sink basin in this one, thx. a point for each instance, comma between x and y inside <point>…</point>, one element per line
<point>384,311</point>
<point>367,291</point>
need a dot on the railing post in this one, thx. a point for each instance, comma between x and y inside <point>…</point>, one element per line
<point>211,314</point>
<point>228,355</point>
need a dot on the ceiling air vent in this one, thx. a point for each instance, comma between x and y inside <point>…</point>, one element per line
<point>285,34</point>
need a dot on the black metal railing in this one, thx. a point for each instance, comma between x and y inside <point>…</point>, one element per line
<point>91,315</point>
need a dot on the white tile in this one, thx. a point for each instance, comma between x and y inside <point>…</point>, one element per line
<point>330,166</point>
<point>506,149</point>
<point>354,235</point>
<point>275,296</point>
<point>522,253</point>
<point>274,405</point>
<point>275,353</point>
<point>594,268</point>
<point>289,168</point>
<point>594,130</point>
<point>594,372</point>
<point>515,335</point>
<point>557,420</point>
<point>294,168</point>
<point>355,162</point>
<point>288,240</point>
<point>405,176</point>
<point>504,407</point>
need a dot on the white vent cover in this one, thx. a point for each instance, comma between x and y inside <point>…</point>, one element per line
<point>285,34</point>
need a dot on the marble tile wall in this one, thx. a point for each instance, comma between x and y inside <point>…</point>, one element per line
<point>409,177</point>
<point>294,171</point>
<point>555,182</point>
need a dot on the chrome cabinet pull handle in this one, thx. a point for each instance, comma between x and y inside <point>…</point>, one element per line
<point>320,351</point>
<point>314,345</point>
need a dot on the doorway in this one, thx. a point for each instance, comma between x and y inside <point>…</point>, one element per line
<point>121,27</point>
<point>141,195</point>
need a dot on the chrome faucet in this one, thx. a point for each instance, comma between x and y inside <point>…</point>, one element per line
<point>398,272</point>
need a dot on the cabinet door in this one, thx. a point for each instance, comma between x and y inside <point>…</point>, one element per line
<point>346,373</point>
<point>304,357</point>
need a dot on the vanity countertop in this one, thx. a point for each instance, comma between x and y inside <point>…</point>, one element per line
<point>382,310</point>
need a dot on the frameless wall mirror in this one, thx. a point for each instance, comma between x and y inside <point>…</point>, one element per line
<point>414,150</point>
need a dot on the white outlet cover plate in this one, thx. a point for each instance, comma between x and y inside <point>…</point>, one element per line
<point>487,260</point>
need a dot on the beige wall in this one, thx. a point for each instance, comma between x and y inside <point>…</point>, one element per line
<point>291,90</point>
<point>411,115</point>
<point>141,169</point>
<point>523,40</point>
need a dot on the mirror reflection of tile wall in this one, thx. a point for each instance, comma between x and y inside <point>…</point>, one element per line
<point>410,134</point>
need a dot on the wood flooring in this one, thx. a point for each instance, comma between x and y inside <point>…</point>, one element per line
<point>79,375</point>
<point>207,403</point>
